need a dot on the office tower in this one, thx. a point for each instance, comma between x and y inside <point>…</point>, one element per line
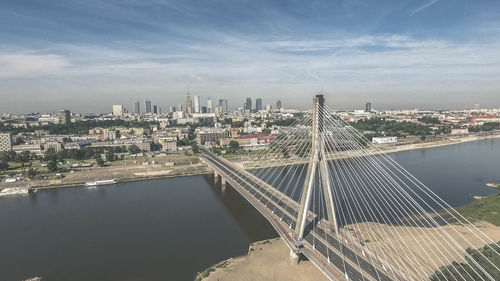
<point>248,104</point>
<point>204,109</point>
<point>64,117</point>
<point>172,109</point>
<point>159,110</point>
<point>5,142</point>
<point>278,104</point>
<point>368,107</point>
<point>476,106</point>
<point>268,107</point>
<point>148,106</point>
<point>223,106</point>
<point>117,109</point>
<point>258,104</point>
<point>137,107</point>
<point>209,105</point>
<point>196,100</point>
<point>179,107</point>
<point>189,108</point>
<point>155,109</point>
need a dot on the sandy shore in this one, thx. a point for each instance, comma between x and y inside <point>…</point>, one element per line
<point>266,261</point>
<point>270,260</point>
<point>433,248</point>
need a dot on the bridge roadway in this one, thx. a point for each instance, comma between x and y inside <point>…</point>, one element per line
<point>281,212</point>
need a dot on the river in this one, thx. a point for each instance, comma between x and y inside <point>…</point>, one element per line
<point>169,229</point>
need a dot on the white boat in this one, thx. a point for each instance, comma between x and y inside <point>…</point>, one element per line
<point>13,191</point>
<point>103,182</point>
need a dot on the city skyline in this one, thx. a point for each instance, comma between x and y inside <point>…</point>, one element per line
<point>402,54</point>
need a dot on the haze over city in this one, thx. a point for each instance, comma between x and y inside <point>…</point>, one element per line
<point>87,55</point>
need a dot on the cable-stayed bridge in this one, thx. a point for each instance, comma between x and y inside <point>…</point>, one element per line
<point>351,210</point>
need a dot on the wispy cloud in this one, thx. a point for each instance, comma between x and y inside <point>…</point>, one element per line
<point>17,65</point>
<point>423,7</point>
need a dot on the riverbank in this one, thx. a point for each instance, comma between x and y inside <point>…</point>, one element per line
<point>248,163</point>
<point>266,260</point>
<point>119,173</point>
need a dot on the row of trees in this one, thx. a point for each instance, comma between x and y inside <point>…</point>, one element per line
<point>381,127</point>
<point>467,271</point>
<point>488,126</point>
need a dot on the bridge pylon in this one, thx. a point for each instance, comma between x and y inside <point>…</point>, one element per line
<point>316,159</point>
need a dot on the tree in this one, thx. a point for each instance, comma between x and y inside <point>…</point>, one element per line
<point>99,161</point>
<point>134,149</point>
<point>31,173</point>
<point>118,134</point>
<point>23,157</point>
<point>156,146</point>
<point>194,147</point>
<point>3,165</point>
<point>50,154</point>
<point>234,144</point>
<point>110,155</point>
<point>52,165</point>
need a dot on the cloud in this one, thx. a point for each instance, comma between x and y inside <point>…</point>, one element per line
<point>25,65</point>
<point>423,7</point>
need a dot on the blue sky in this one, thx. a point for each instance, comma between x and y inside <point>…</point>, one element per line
<point>88,55</point>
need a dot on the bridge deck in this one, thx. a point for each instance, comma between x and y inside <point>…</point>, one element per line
<point>336,259</point>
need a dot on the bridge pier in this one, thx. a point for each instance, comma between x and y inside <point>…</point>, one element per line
<point>223,184</point>
<point>216,176</point>
<point>294,257</point>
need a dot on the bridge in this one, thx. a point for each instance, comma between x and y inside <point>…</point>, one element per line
<point>341,203</point>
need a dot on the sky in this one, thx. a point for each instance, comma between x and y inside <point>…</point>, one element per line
<point>88,55</point>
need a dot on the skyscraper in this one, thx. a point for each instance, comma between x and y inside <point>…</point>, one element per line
<point>64,117</point>
<point>278,104</point>
<point>172,109</point>
<point>248,104</point>
<point>209,105</point>
<point>155,109</point>
<point>258,104</point>
<point>476,106</point>
<point>203,109</point>
<point>137,107</point>
<point>189,108</point>
<point>196,104</point>
<point>223,106</point>
<point>148,106</point>
<point>368,107</point>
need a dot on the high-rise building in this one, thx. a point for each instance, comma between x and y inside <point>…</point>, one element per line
<point>476,106</point>
<point>258,104</point>
<point>223,106</point>
<point>368,107</point>
<point>204,109</point>
<point>189,108</point>
<point>268,107</point>
<point>64,117</point>
<point>137,107</point>
<point>155,109</point>
<point>196,100</point>
<point>117,109</point>
<point>148,106</point>
<point>179,107</point>
<point>248,104</point>
<point>209,105</point>
<point>5,142</point>
<point>172,109</point>
<point>278,104</point>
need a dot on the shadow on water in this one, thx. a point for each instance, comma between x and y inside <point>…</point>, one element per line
<point>253,224</point>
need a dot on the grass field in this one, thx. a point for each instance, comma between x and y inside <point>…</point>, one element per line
<point>486,209</point>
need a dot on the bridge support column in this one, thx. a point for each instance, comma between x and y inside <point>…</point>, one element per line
<point>216,176</point>
<point>223,184</point>
<point>294,257</point>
